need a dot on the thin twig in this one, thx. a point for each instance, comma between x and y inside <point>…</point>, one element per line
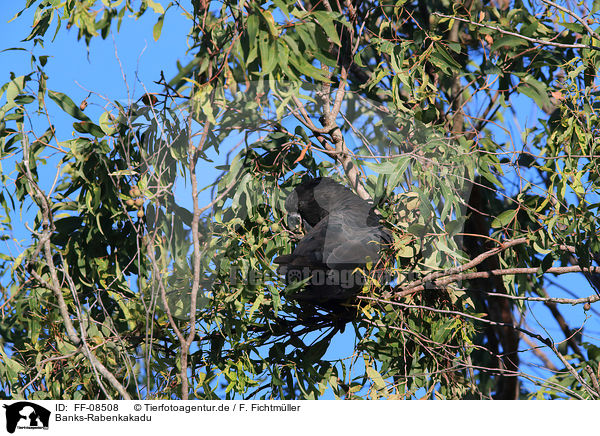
<point>518,35</point>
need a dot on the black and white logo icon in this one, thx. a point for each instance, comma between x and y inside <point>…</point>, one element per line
<point>26,415</point>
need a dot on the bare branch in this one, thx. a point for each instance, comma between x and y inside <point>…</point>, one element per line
<point>518,35</point>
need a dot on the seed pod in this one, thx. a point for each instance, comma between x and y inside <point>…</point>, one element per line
<point>149,99</point>
<point>587,306</point>
<point>130,202</point>
<point>140,213</point>
<point>139,202</point>
<point>135,192</point>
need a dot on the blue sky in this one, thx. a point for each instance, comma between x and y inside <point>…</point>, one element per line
<point>132,53</point>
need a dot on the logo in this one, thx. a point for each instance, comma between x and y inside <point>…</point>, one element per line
<point>26,415</point>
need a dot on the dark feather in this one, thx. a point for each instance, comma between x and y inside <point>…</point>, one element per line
<point>343,234</point>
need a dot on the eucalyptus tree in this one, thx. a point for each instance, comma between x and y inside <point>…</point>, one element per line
<point>469,126</point>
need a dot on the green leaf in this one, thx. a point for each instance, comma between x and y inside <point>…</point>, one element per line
<point>376,377</point>
<point>317,350</point>
<point>304,67</point>
<point>41,24</point>
<point>540,249</point>
<point>326,22</point>
<point>157,29</point>
<point>283,7</point>
<point>442,59</point>
<point>106,124</point>
<point>391,166</point>
<point>508,41</point>
<point>252,25</point>
<point>15,366</point>
<point>268,59</point>
<point>156,7</point>
<point>547,262</point>
<point>88,127</point>
<point>402,164</point>
<point>574,27</point>
<point>67,105</point>
<point>256,303</point>
<point>504,218</point>
<point>535,90</point>
<point>24,99</point>
<point>270,21</point>
<point>593,352</point>
<point>397,58</point>
<point>14,88</point>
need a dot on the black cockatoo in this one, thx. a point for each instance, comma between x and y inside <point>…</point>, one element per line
<point>342,233</point>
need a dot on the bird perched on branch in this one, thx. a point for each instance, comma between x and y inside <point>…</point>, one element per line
<point>343,233</point>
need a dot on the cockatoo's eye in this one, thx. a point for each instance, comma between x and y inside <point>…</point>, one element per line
<point>294,220</point>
